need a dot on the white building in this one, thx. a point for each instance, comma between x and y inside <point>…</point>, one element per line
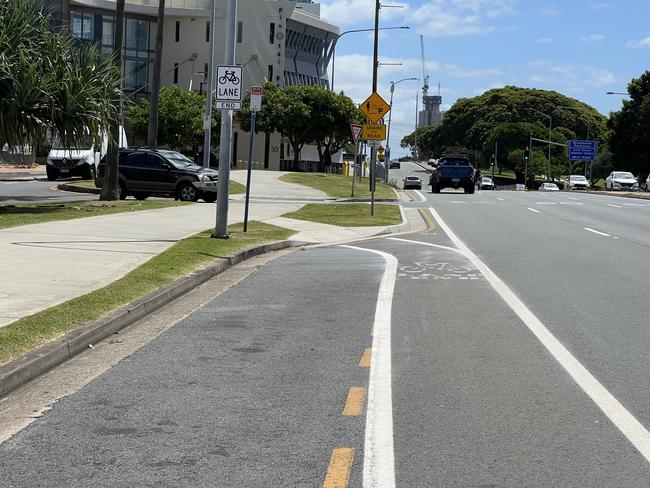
<point>282,41</point>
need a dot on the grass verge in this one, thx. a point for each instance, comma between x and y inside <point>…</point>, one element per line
<point>339,186</point>
<point>181,259</point>
<point>348,215</point>
<point>36,213</point>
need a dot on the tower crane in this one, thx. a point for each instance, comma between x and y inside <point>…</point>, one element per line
<point>425,74</point>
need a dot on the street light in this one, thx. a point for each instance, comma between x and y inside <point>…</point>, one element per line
<point>350,32</point>
<point>588,135</point>
<point>617,93</point>
<point>392,90</point>
<point>550,131</point>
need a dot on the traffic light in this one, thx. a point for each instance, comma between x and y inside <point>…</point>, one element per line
<point>526,154</point>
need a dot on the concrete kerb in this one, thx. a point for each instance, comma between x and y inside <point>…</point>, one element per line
<point>46,357</point>
<point>77,188</point>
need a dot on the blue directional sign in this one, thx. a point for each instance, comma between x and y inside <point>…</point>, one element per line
<point>582,150</point>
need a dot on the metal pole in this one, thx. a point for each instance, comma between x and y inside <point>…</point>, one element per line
<point>333,59</point>
<point>250,167</point>
<point>373,168</point>
<point>550,132</point>
<point>415,145</point>
<point>375,59</point>
<point>207,121</point>
<point>354,165</point>
<point>221,228</point>
<point>530,155</point>
<point>387,160</point>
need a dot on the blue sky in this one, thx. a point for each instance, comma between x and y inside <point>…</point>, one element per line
<point>580,48</point>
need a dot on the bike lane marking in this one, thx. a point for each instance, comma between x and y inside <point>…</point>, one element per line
<point>629,426</point>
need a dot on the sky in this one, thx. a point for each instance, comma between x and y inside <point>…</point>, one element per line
<point>579,48</point>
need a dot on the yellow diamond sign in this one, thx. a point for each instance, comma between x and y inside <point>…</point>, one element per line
<point>375,107</point>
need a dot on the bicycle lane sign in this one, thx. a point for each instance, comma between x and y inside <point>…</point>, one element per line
<point>229,87</point>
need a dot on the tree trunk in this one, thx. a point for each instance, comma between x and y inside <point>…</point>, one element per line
<point>110,185</point>
<point>152,132</point>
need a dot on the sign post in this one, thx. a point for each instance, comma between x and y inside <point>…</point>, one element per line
<point>356,136</point>
<point>255,106</point>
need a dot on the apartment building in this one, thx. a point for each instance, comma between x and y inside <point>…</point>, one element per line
<point>282,41</point>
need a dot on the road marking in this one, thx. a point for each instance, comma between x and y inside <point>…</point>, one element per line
<point>422,197</point>
<point>378,450</point>
<point>366,357</point>
<point>597,232</point>
<point>354,403</point>
<point>533,210</point>
<point>545,203</point>
<point>573,198</point>
<point>615,206</point>
<point>446,248</point>
<point>499,198</point>
<point>338,471</point>
<point>631,428</point>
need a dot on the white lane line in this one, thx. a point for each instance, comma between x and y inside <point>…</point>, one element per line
<point>615,206</point>
<point>499,198</point>
<point>446,248</point>
<point>589,229</point>
<point>533,210</point>
<point>631,428</point>
<point>378,450</point>
<point>573,198</point>
<point>422,197</point>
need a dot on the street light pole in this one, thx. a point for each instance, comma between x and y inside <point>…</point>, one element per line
<point>550,133</point>
<point>392,90</point>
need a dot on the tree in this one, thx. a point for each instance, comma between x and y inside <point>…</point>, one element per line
<point>628,140</point>
<point>180,120</point>
<point>152,130</point>
<point>47,83</point>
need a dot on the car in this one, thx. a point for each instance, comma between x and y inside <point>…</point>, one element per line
<point>395,164</point>
<point>621,180</point>
<point>548,187</point>
<point>144,172</point>
<point>646,185</point>
<point>486,183</point>
<point>412,182</point>
<point>577,182</point>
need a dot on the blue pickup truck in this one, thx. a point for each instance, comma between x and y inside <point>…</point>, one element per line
<point>453,172</point>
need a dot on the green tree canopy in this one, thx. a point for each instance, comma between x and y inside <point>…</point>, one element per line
<point>180,118</point>
<point>46,82</point>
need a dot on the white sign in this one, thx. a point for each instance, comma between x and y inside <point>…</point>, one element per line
<point>356,132</point>
<point>256,99</point>
<point>229,83</point>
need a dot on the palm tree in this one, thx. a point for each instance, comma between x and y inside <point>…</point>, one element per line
<point>152,133</point>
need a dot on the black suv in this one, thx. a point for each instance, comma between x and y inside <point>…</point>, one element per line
<point>148,171</point>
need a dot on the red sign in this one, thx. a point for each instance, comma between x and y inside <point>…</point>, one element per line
<point>256,90</point>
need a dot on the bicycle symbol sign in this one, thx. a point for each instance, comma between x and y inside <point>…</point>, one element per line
<point>229,87</point>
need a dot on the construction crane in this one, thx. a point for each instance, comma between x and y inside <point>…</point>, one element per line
<point>425,75</point>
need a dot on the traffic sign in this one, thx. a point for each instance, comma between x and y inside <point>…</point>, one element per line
<point>356,132</point>
<point>229,84</point>
<point>582,150</point>
<point>256,99</point>
<point>374,107</point>
<point>374,132</point>
<point>381,150</point>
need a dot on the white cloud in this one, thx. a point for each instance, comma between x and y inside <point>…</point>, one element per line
<point>569,76</point>
<point>351,12</point>
<point>592,38</point>
<point>599,6</point>
<point>545,40</point>
<point>642,44</point>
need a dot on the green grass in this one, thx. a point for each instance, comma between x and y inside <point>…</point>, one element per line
<point>36,213</point>
<point>348,215</point>
<point>182,258</point>
<point>339,186</point>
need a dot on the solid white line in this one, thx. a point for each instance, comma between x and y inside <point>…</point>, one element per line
<point>597,232</point>
<point>446,248</point>
<point>533,210</point>
<point>422,197</point>
<point>499,198</point>
<point>378,450</point>
<point>636,433</point>
<point>612,205</point>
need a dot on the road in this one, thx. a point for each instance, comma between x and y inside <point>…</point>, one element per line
<point>38,191</point>
<point>507,347</point>
<point>408,168</point>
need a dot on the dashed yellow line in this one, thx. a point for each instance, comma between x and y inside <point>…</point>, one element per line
<point>365,359</point>
<point>354,403</point>
<point>338,471</point>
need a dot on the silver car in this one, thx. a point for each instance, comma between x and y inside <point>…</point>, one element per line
<point>578,182</point>
<point>621,180</point>
<point>412,182</point>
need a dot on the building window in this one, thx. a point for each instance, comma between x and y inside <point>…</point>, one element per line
<point>107,31</point>
<point>272,33</point>
<point>82,25</point>
<point>240,29</point>
<point>207,31</point>
<point>175,73</point>
<point>178,31</point>
<point>270,73</point>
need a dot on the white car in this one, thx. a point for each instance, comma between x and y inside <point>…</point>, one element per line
<point>486,183</point>
<point>621,180</point>
<point>412,182</point>
<point>647,184</point>
<point>548,187</point>
<point>578,182</point>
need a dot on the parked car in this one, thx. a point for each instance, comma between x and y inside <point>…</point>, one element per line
<point>577,182</point>
<point>486,183</point>
<point>646,185</point>
<point>150,171</point>
<point>621,180</point>
<point>81,160</point>
<point>394,164</point>
<point>548,187</point>
<point>412,182</point>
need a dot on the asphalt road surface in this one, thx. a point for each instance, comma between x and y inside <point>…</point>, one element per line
<point>506,347</point>
<point>38,191</point>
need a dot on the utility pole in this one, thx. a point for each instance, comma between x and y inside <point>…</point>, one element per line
<point>152,129</point>
<point>221,228</point>
<point>415,144</point>
<point>373,151</point>
<point>207,120</point>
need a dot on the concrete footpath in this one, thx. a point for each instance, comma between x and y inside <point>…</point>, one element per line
<point>50,263</point>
